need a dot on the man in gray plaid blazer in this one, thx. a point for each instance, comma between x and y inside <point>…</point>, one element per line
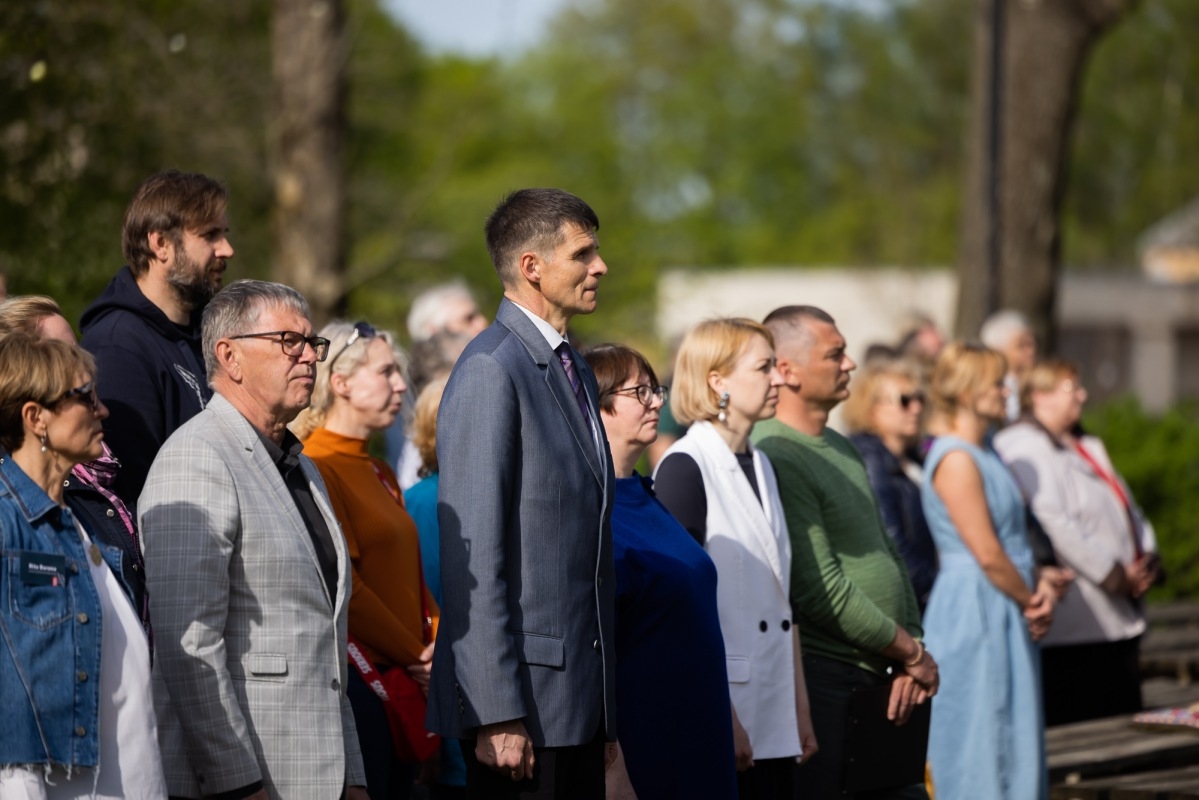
<point>524,666</point>
<point>248,572</point>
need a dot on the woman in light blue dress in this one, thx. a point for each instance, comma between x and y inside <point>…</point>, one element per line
<point>987,736</point>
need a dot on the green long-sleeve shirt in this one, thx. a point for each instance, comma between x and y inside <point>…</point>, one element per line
<point>849,586</point>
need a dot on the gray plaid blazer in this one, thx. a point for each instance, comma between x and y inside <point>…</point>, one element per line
<point>250,656</point>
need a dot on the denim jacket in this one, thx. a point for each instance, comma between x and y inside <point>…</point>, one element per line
<point>49,630</point>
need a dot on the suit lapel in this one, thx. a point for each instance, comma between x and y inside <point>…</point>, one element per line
<point>559,385</point>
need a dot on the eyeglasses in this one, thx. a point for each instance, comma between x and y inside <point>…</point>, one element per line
<point>644,393</point>
<point>292,342</point>
<point>362,330</point>
<point>906,400</point>
<point>86,393</point>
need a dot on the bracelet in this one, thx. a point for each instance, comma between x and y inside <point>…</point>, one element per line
<point>919,655</point>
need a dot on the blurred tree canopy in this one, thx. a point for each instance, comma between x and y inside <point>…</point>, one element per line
<point>706,133</point>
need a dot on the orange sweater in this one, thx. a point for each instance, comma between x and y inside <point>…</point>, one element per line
<point>384,548</point>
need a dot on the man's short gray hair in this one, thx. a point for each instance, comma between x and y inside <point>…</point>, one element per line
<point>792,334</point>
<point>999,329</point>
<point>235,310</point>
<point>429,314</point>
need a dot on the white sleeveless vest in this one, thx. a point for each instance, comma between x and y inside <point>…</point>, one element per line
<point>748,542</point>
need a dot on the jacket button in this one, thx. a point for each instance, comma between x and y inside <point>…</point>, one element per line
<point>74,568</point>
<point>80,731</point>
<point>81,618</point>
<point>135,567</point>
<point>762,626</point>
<point>786,625</point>
<point>81,675</point>
<point>110,513</point>
<point>336,684</point>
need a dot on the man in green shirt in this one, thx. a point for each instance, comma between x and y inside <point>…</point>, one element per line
<point>850,592</point>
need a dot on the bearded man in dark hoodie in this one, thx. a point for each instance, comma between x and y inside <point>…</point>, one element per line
<point>144,329</point>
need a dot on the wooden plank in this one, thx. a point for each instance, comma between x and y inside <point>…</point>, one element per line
<point>1136,750</point>
<point>1178,612</point>
<point>1164,640</point>
<point>1174,784</point>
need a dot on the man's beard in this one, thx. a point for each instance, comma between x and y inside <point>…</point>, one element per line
<point>189,282</point>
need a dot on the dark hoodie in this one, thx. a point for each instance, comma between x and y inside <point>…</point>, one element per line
<point>150,374</point>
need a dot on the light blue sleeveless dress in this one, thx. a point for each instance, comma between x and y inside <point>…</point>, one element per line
<point>987,736</point>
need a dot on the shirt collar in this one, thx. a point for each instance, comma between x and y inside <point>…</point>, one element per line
<point>547,330</point>
<point>286,455</point>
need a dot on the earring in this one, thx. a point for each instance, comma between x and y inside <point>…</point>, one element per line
<point>45,440</point>
<point>724,404</point>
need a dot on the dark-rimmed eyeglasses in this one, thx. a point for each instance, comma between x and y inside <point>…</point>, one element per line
<point>905,400</point>
<point>644,393</point>
<point>292,343</point>
<point>362,330</point>
<point>86,393</point>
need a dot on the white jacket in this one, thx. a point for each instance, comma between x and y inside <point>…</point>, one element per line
<point>1088,526</point>
<point>748,542</point>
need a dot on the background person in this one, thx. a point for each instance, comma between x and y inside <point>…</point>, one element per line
<point>144,328</point>
<point>987,735</point>
<point>421,501</point>
<point>670,676</point>
<point>1090,658</point>
<point>78,713</point>
<point>884,414</point>
<point>1010,333</point>
<point>723,491</point>
<point>88,488</point>
<point>358,392</point>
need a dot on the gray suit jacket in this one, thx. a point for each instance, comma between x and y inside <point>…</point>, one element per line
<point>250,655</point>
<point>526,546</point>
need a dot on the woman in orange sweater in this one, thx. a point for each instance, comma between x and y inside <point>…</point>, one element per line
<point>359,390</point>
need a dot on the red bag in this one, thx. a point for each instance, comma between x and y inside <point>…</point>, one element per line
<point>405,705</point>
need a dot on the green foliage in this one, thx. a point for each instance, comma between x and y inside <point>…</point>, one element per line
<point>1159,458</point>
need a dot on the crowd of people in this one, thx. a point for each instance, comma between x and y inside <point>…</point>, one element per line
<point>215,589</point>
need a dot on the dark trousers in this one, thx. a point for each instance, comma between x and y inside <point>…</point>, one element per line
<point>387,778</point>
<point>830,684</point>
<point>559,773</point>
<point>1091,681</point>
<point>767,779</point>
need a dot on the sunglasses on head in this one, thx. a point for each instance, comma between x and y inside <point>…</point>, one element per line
<point>362,330</point>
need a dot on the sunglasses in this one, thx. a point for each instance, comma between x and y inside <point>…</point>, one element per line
<point>906,399</point>
<point>362,330</point>
<point>86,393</point>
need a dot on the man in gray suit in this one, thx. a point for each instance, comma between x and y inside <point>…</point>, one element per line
<point>248,572</point>
<point>524,666</point>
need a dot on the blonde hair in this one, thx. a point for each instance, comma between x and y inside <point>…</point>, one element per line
<point>713,345</point>
<point>963,370</point>
<point>342,360</point>
<point>424,423</point>
<point>25,313</point>
<point>35,370</point>
<point>867,389</point>
<point>1044,377</point>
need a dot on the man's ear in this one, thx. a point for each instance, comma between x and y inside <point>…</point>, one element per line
<point>528,266</point>
<point>161,246</point>
<point>790,373</point>
<point>227,356</point>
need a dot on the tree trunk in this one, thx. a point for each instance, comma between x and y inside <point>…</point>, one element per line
<point>306,149</point>
<point>1045,47</point>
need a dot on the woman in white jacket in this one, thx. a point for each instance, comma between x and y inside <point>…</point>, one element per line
<point>724,492</point>
<point>1090,656</point>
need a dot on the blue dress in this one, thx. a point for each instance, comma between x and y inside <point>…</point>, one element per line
<point>987,736</point>
<point>421,502</point>
<point>672,692</point>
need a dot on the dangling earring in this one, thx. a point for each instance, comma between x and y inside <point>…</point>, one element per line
<point>724,404</point>
<point>45,440</point>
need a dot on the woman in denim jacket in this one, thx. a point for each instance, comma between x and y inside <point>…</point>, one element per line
<point>79,721</point>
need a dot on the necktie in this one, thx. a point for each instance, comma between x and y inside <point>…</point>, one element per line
<point>568,364</point>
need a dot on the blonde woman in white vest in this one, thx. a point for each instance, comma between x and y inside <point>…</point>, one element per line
<point>724,492</point>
